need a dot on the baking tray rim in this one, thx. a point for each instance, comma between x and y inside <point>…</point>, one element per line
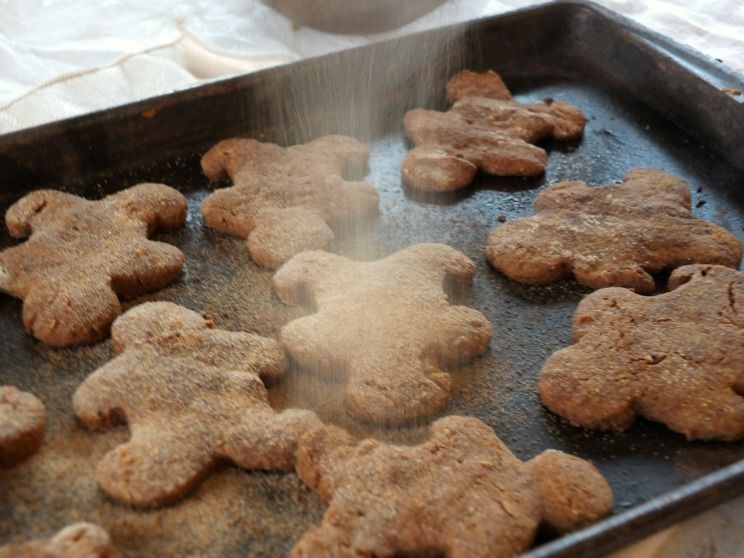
<point>620,528</point>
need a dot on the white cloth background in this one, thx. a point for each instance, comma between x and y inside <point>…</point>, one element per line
<point>61,58</point>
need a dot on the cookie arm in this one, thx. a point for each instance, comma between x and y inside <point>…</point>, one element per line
<point>322,453</point>
<point>455,266</point>
<point>21,215</point>
<point>573,492</point>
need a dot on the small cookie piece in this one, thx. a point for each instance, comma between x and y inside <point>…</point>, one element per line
<point>22,419</point>
<point>191,395</point>
<point>462,493</point>
<point>386,327</point>
<point>81,254</point>
<point>674,358</point>
<point>613,235</point>
<point>485,129</point>
<point>81,540</point>
<point>287,200</point>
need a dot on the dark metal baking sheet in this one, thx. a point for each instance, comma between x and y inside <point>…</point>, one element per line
<point>649,102</point>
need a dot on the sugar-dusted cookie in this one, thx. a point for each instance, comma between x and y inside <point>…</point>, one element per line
<point>287,200</point>
<point>485,129</point>
<point>81,540</point>
<point>462,493</point>
<point>22,419</point>
<point>386,327</point>
<point>614,235</point>
<point>676,358</point>
<point>81,254</point>
<point>191,395</point>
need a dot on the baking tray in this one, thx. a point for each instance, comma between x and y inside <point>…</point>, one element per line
<point>649,102</point>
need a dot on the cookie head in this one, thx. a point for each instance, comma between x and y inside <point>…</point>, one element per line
<point>82,255</point>
<point>462,493</point>
<point>612,235</point>
<point>674,358</point>
<point>191,395</point>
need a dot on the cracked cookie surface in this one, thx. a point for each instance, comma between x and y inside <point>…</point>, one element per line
<point>613,235</point>
<point>675,358</point>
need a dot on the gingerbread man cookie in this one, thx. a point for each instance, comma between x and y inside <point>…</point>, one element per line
<point>676,358</point>
<point>386,327</point>
<point>22,419</point>
<point>485,129</point>
<point>191,395</point>
<point>287,200</point>
<point>462,493</point>
<point>613,235</point>
<point>81,540</point>
<point>81,254</point>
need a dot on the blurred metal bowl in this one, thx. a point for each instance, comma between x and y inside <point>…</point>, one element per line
<point>357,17</point>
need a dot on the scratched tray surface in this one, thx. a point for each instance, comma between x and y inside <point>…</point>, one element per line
<point>238,513</point>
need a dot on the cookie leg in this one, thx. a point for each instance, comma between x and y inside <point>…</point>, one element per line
<point>155,468</point>
<point>71,310</point>
<point>147,266</point>
<point>396,391</point>
<point>270,442</point>
<point>694,408</point>
<point>98,402</point>
<point>310,341</point>
<point>572,491</point>
<point>573,384</point>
